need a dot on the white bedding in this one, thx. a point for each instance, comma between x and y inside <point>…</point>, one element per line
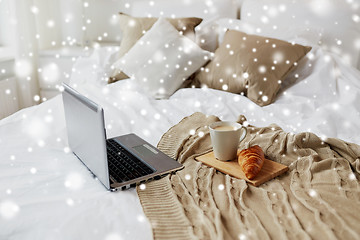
<point>46,193</point>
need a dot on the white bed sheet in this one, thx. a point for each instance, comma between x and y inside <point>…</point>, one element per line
<point>46,193</point>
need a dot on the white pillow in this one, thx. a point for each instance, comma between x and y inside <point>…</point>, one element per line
<point>162,59</point>
<point>205,9</point>
<point>299,34</point>
<point>337,19</point>
<point>208,10</point>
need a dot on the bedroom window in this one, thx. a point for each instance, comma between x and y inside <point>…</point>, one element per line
<point>6,30</point>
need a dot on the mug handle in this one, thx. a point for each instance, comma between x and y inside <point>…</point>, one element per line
<point>243,135</point>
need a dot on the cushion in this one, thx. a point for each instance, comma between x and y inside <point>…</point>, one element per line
<point>162,60</point>
<point>251,65</point>
<point>134,28</point>
<point>298,34</point>
<point>209,11</point>
<point>340,30</point>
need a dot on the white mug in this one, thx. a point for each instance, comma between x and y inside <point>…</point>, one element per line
<point>225,139</point>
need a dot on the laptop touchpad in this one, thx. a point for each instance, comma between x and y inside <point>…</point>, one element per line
<point>145,150</point>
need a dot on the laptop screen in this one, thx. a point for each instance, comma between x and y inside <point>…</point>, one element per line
<point>86,132</point>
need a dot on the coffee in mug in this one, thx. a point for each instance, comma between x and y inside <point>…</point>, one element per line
<point>225,128</point>
<point>225,139</point>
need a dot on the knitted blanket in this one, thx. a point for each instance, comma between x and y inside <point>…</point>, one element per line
<point>318,198</point>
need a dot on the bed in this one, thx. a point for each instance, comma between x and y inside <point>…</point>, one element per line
<point>46,193</point>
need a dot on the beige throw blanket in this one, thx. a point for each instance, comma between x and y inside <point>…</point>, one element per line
<point>318,198</point>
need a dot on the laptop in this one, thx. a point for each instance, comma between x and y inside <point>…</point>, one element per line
<point>119,163</point>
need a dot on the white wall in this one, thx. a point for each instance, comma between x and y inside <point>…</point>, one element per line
<point>6,29</point>
<point>77,22</point>
<point>104,19</point>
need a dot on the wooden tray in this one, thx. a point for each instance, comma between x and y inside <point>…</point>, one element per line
<point>269,170</point>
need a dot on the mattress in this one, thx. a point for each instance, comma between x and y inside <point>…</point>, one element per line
<point>47,193</point>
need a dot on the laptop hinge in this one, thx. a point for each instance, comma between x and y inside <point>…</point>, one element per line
<point>112,180</point>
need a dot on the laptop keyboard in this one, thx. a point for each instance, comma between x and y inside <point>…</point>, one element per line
<point>123,166</point>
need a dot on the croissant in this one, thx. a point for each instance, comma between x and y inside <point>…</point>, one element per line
<point>251,161</point>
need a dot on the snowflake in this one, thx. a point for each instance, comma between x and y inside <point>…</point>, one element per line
<point>66,149</point>
<point>141,218</point>
<point>312,193</point>
<point>242,237</point>
<point>286,112</point>
<point>146,132</point>
<point>34,9</point>
<point>70,202</point>
<point>282,8</point>
<point>352,176</point>
<point>33,170</point>
<point>8,209</point>
<point>143,112</point>
<point>157,116</point>
<point>356,18</point>
<point>262,69</point>
<point>23,68</point>
<point>201,134</point>
<point>36,98</point>
<point>113,236</point>
<point>264,19</point>
<point>50,23</point>
<point>74,181</point>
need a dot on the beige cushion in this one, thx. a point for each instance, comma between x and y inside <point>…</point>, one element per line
<point>133,28</point>
<point>251,65</point>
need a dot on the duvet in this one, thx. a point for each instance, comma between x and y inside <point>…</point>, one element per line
<point>46,192</point>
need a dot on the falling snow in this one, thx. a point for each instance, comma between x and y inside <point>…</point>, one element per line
<point>141,218</point>
<point>33,170</point>
<point>8,209</point>
<point>113,236</point>
<point>312,193</point>
<point>45,130</point>
<point>352,176</point>
<point>242,237</point>
<point>74,181</point>
<point>70,202</point>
